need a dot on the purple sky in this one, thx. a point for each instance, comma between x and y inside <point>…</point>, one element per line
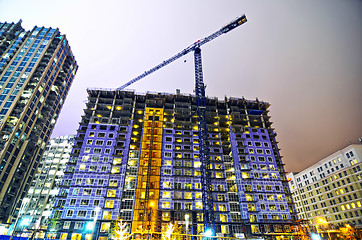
<point>304,57</point>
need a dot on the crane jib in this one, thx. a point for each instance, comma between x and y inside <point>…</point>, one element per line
<point>237,22</point>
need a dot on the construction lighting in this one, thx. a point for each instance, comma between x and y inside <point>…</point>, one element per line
<point>25,222</point>
<point>208,233</point>
<point>90,225</point>
<point>315,236</point>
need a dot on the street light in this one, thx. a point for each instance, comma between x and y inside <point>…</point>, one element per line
<point>187,219</point>
<point>93,224</point>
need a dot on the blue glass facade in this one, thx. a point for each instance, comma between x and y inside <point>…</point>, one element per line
<point>37,68</point>
<point>136,158</point>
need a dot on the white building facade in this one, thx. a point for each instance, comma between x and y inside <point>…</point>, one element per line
<point>331,188</point>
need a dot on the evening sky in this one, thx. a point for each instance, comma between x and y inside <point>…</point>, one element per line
<point>304,57</point>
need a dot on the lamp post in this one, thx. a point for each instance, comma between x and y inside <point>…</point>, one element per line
<point>187,219</point>
<point>97,210</point>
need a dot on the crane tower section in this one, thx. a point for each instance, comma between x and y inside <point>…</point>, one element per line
<point>207,197</point>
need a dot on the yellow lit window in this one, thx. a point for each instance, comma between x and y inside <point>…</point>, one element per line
<point>223,218</point>
<point>76,236</point>
<point>348,207</point>
<point>188,195</point>
<point>342,191</point>
<point>105,227</point>
<point>270,197</point>
<point>64,236</point>
<point>166,194</point>
<point>168,163</point>
<point>197,164</point>
<point>198,205</point>
<point>197,173</point>
<point>255,229</point>
<point>82,167</point>
<point>343,208</point>
<point>107,215</point>
<point>198,195</point>
<point>219,175</point>
<point>274,175</point>
<point>166,205</point>
<point>253,218</point>
<point>109,203</point>
<point>111,193</point>
<point>358,204</point>
<point>116,170</point>
<point>280,198</point>
<point>353,205</point>
<point>117,160</point>
<point>222,207</point>
<point>249,197</point>
<point>167,184</point>
<point>165,216</point>
<point>251,150</point>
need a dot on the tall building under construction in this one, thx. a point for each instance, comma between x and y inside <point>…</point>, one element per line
<point>136,158</point>
<point>37,68</point>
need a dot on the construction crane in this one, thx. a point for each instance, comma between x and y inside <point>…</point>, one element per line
<point>207,199</point>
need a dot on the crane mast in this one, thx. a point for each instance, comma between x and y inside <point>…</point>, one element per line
<point>207,197</point>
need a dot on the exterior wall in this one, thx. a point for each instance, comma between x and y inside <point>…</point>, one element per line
<point>151,173</point>
<point>331,188</point>
<point>37,68</point>
<point>46,185</point>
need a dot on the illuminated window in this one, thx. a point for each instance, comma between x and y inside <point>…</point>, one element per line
<point>111,193</point>
<point>105,227</point>
<point>198,195</point>
<point>87,191</point>
<point>166,205</point>
<point>253,218</point>
<point>165,216</point>
<point>245,175</point>
<point>166,184</point>
<point>168,163</point>
<point>249,197</point>
<point>117,161</point>
<point>198,205</point>
<point>188,195</point>
<point>116,170</point>
<point>166,194</point>
<point>109,203</point>
<point>107,215</point>
<point>222,207</point>
<point>255,229</point>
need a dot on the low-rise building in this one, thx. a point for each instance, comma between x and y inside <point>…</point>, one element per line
<point>331,188</point>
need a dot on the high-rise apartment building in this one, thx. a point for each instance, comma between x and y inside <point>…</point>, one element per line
<point>136,158</point>
<point>37,68</point>
<point>39,202</point>
<point>331,189</point>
